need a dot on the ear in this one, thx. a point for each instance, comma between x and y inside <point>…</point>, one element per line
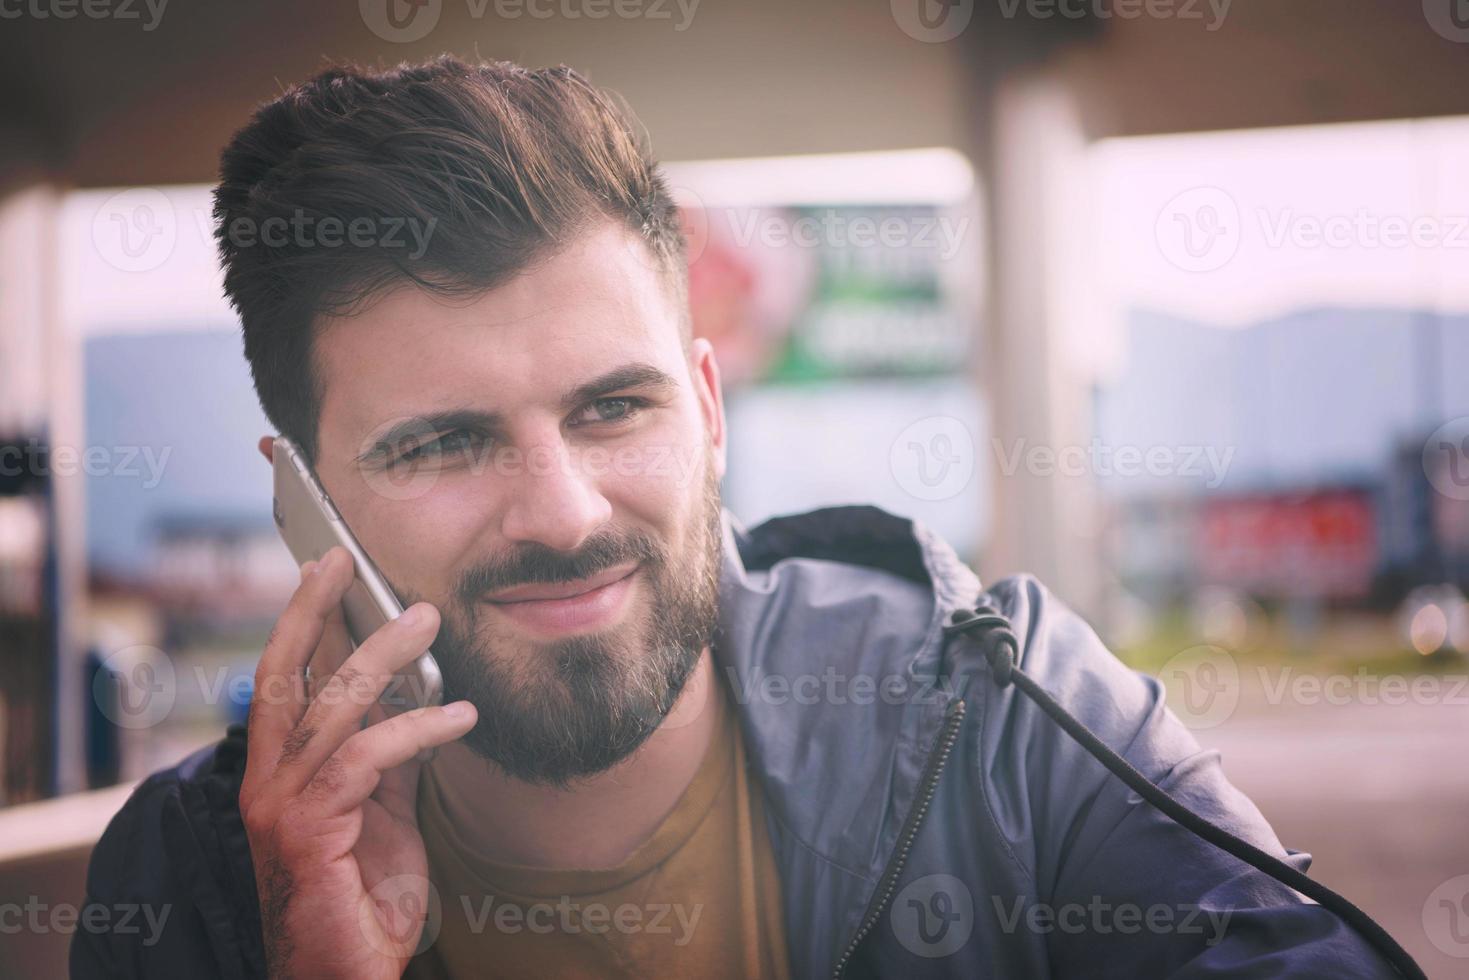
<point>704,370</point>
<point>266,445</point>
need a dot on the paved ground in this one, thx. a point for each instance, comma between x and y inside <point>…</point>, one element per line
<point>1378,793</point>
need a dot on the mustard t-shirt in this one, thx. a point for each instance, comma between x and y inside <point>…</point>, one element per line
<point>700,898</point>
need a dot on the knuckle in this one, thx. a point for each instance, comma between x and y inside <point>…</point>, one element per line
<point>346,680</point>
<point>407,725</point>
<point>274,638</point>
<point>351,755</point>
<point>361,686</point>
<point>329,777</point>
<point>296,742</point>
<point>259,821</point>
<point>258,700</point>
<point>247,796</point>
<point>412,734</point>
<point>291,828</point>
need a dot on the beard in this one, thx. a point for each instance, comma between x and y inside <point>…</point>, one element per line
<point>574,707</point>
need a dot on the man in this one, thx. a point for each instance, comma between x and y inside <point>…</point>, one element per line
<point>670,745</point>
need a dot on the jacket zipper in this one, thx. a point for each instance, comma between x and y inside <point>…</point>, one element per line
<point>888,883</point>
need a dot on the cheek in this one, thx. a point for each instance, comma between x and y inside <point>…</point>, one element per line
<point>421,540</point>
<point>653,480</point>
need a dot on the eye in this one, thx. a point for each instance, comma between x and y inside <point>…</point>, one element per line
<point>616,409</point>
<point>457,442</point>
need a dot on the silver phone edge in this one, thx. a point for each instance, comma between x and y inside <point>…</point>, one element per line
<point>381,594</point>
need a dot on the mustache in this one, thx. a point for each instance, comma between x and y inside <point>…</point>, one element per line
<point>533,563</point>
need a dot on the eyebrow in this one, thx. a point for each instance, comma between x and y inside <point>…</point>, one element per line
<point>636,375</point>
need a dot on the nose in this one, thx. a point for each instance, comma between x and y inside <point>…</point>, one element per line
<point>553,502</point>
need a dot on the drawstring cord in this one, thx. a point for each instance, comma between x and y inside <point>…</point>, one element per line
<point>1001,649</point>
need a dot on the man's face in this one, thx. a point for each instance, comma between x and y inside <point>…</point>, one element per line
<point>502,455</point>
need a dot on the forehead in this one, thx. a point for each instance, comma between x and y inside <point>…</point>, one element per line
<point>595,305</point>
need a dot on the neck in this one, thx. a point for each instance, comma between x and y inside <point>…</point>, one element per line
<point>513,822</point>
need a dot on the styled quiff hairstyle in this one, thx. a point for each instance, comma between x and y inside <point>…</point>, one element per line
<point>492,166</point>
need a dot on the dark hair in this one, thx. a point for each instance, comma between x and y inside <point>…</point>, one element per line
<point>492,166</point>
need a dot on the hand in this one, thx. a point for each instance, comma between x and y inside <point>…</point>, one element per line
<point>330,805</point>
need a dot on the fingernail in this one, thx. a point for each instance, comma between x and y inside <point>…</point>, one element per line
<point>307,569</point>
<point>459,709</point>
<point>412,615</point>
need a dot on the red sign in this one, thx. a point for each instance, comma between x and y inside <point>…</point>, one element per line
<point>1317,544</point>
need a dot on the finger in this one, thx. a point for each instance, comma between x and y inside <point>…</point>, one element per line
<point>353,772</point>
<point>404,778</point>
<point>277,704</point>
<point>337,711</point>
<point>397,791</point>
<point>333,650</point>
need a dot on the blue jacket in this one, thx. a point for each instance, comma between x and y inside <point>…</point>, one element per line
<point>926,822</point>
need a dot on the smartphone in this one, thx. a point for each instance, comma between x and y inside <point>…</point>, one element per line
<point>311,526</point>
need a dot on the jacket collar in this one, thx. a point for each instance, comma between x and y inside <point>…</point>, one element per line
<point>831,638</point>
<point>836,547</point>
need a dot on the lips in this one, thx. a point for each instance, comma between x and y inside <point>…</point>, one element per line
<point>556,610</point>
<point>541,591</point>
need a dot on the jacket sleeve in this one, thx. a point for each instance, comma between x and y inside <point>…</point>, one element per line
<point>1134,894</point>
<point>168,873</point>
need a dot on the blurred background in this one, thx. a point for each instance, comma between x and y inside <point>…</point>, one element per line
<point>1165,301</point>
